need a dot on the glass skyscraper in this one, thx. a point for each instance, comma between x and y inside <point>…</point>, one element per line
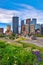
<point>41,28</point>
<point>37,26</point>
<point>22,24</point>
<point>15,24</point>
<point>28,22</point>
<point>34,20</point>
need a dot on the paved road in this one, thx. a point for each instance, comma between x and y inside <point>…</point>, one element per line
<point>38,42</point>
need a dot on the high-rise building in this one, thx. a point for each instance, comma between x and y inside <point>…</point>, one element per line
<point>1,30</point>
<point>23,28</point>
<point>38,29</point>
<point>15,24</point>
<point>27,28</point>
<point>22,25</point>
<point>28,22</point>
<point>32,29</point>
<point>33,22</point>
<point>41,28</point>
<point>37,26</point>
<point>8,27</point>
<point>8,30</point>
<point>22,22</point>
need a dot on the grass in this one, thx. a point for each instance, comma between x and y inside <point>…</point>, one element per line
<point>19,53</point>
<point>30,45</point>
<point>39,35</point>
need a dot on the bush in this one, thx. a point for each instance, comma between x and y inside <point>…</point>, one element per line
<point>12,36</point>
<point>2,35</point>
<point>39,35</point>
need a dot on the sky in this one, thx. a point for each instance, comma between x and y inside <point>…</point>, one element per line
<point>22,8</point>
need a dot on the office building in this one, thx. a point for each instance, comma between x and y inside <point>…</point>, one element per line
<point>8,27</point>
<point>32,29</point>
<point>22,25</point>
<point>1,30</point>
<point>23,28</point>
<point>8,30</point>
<point>28,21</point>
<point>41,28</point>
<point>38,29</point>
<point>27,28</point>
<point>15,24</point>
<point>34,21</point>
<point>22,22</point>
<point>37,26</point>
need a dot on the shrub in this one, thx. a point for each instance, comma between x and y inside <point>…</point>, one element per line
<point>39,35</point>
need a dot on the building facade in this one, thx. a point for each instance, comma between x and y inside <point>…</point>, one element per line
<point>41,28</point>
<point>15,24</point>
<point>22,25</point>
<point>23,28</point>
<point>8,30</point>
<point>37,26</point>
<point>32,29</point>
<point>1,30</point>
<point>27,28</point>
<point>22,22</point>
<point>33,22</point>
<point>28,22</point>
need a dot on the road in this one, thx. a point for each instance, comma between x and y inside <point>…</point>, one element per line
<point>38,42</point>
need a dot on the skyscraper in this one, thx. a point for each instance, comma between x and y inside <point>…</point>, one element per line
<point>1,30</point>
<point>22,22</point>
<point>32,28</point>
<point>22,25</point>
<point>28,22</point>
<point>37,26</point>
<point>27,28</point>
<point>15,24</point>
<point>34,20</point>
<point>8,31</point>
<point>41,28</point>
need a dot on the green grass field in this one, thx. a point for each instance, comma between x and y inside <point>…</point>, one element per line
<point>20,53</point>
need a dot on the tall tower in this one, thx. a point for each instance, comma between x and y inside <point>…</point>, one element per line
<point>22,25</point>
<point>22,22</point>
<point>15,24</point>
<point>34,20</point>
<point>41,28</point>
<point>28,22</point>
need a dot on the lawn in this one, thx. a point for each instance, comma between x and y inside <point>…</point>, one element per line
<point>20,53</point>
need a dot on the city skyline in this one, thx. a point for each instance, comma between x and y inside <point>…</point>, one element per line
<point>23,9</point>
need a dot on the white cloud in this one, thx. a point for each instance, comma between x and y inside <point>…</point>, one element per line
<point>6,15</point>
<point>26,11</point>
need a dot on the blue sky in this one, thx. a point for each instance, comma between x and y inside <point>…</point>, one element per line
<point>22,8</point>
<point>9,4</point>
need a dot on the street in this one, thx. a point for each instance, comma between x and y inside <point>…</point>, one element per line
<point>38,42</point>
